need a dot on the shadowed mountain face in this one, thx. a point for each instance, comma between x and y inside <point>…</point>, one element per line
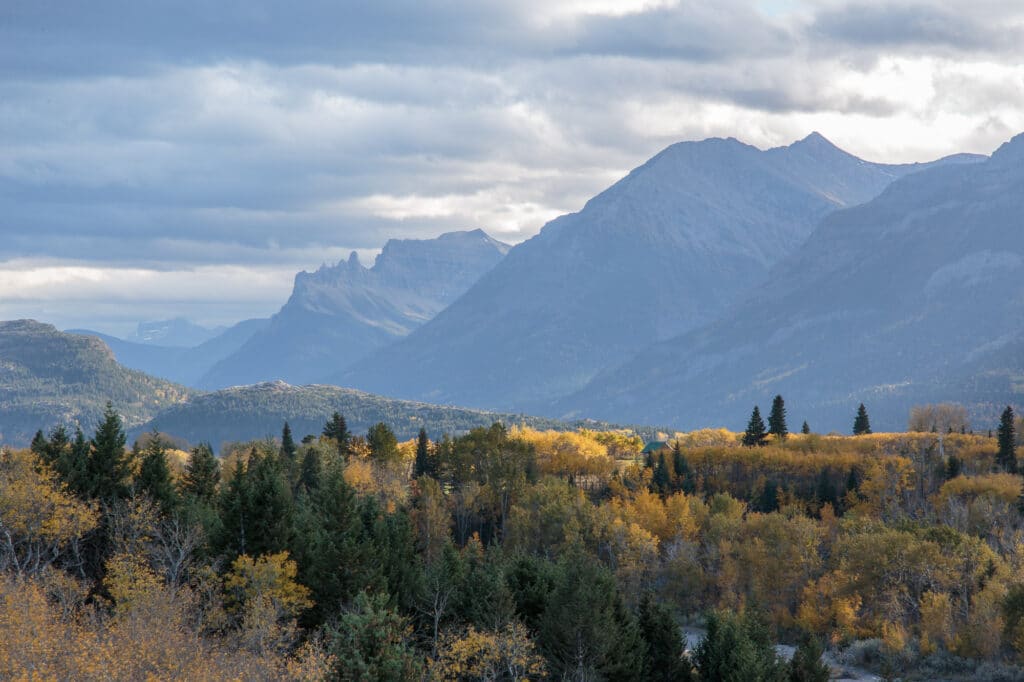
<point>179,364</point>
<point>48,378</point>
<point>338,314</point>
<point>663,251</point>
<point>914,297</point>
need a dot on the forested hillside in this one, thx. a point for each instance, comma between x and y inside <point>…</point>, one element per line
<point>48,377</point>
<point>246,412</point>
<point>514,554</point>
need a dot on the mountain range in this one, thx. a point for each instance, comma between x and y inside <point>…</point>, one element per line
<point>707,280</point>
<point>665,250</point>
<point>339,314</point>
<point>912,297</point>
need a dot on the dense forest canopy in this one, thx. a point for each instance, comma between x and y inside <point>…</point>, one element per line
<point>513,553</point>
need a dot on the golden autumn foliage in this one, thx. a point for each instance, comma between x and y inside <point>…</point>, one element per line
<point>155,639</point>
<point>505,654</point>
<point>39,519</point>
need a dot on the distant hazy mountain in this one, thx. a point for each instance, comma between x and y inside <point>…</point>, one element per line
<point>917,296</point>
<point>48,377</point>
<point>664,250</point>
<point>338,314</point>
<point>178,364</point>
<point>176,333</point>
<point>257,411</point>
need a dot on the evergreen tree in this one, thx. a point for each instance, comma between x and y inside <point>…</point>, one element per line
<point>684,475</point>
<point>336,429</point>
<point>861,424</point>
<point>661,481</point>
<point>665,657</point>
<point>383,444</point>
<point>108,468</point>
<point>270,514</point>
<point>155,476</point>
<point>74,469</point>
<point>768,500</point>
<point>1007,439</point>
<point>289,453</point>
<point>202,474</point>
<point>424,462</point>
<point>755,434</point>
<point>806,665</point>
<point>825,491</point>
<point>805,429</point>
<point>777,419</point>
<point>39,444</point>
<point>371,642</point>
<point>309,474</point>
<point>54,449</point>
<point>586,632</point>
<point>954,467</point>
<point>737,649</point>
<point>235,505</point>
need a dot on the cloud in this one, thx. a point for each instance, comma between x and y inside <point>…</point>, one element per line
<point>249,137</point>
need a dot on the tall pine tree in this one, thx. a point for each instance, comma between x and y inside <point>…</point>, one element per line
<point>665,658</point>
<point>289,452</point>
<point>108,468</point>
<point>336,429</point>
<point>755,434</point>
<point>777,419</point>
<point>1007,438</point>
<point>425,465</point>
<point>861,423</point>
<point>154,477</point>
<point>383,444</point>
<point>202,474</point>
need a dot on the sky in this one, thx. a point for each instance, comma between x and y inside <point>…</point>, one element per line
<point>166,159</point>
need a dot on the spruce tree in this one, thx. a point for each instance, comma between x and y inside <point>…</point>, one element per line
<point>1007,439</point>
<point>54,449</point>
<point>155,476</point>
<point>270,512</point>
<point>684,480</point>
<point>755,434</point>
<point>665,658</point>
<point>861,424</point>
<point>336,429</point>
<point>382,442</point>
<point>75,469</point>
<point>39,444</point>
<point>661,481</point>
<point>235,506</point>
<point>309,474</point>
<point>108,468</point>
<point>424,462</point>
<point>805,429</point>
<point>202,474</point>
<point>806,664</point>
<point>737,648</point>
<point>954,467</point>
<point>289,452</point>
<point>777,419</point>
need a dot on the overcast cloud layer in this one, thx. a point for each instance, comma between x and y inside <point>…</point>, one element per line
<point>187,158</point>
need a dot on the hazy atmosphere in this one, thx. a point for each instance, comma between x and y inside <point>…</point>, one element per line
<point>188,161</point>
